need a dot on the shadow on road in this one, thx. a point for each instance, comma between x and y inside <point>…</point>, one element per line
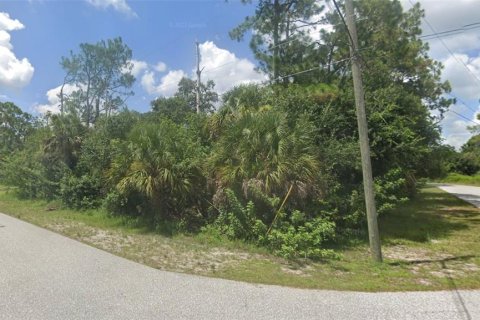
<point>430,215</point>
<point>457,296</point>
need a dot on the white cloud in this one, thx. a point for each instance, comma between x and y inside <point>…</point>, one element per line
<point>220,65</point>
<point>455,128</point>
<point>53,105</point>
<point>9,24</point>
<point>226,69</point>
<point>160,67</point>
<point>465,46</point>
<point>463,81</point>
<point>5,39</point>
<point>14,72</point>
<point>118,5</point>
<point>168,83</point>
<point>458,43</point>
<point>445,16</point>
<point>435,10</point>
<point>142,68</point>
<point>138,67</point>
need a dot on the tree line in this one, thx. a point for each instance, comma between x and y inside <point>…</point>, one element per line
<point>277,165</point>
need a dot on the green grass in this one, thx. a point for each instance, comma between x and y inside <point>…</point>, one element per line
<point>431,243</point>
<point>462,179</point>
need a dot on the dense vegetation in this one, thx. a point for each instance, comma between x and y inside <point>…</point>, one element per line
<point>276,165</point>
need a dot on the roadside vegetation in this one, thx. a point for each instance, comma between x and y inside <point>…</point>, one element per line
<point>456,178</point>
<point>270,168</point>
<point>431,243</point>
<point>463,166</point>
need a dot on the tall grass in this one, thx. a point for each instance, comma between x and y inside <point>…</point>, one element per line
<point>462,179</point>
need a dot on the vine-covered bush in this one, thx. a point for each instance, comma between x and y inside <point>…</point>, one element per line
<point>288,235</point>
<point>305,239</point>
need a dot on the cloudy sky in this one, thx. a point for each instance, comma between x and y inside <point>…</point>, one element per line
<point>35,34</point>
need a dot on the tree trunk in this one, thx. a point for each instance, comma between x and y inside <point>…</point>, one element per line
<point>276,38</point>
<point>97,109</point>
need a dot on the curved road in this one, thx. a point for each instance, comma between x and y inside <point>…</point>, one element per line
<point>467,193</point>
<point>44,275</point>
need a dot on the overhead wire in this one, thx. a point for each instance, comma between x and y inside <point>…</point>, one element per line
<point>474,76</point>
<point>451,32</point>
<point>462,102</point>
<point>310,70</point>
<point>436,34</point>
<point>433,29</point>
<point>463,117</point>
<point>345,24</point>
<point>467,27</point>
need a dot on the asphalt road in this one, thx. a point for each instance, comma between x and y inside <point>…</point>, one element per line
<point>47,276</point>
<point>467,193</point>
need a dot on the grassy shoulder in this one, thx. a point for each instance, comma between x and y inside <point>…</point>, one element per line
<point>431,243</point>
<point>462,179</point>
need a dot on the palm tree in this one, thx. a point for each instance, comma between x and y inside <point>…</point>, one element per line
<point>161,162</point>
<point>66,139</point>
<point>262,146</point>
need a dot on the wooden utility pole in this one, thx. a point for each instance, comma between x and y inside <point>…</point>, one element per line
<point>373,233</point>
<point>199,72</point>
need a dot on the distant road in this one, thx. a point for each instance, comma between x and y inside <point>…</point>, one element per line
<point>467,193</point>
<point>47,276</point>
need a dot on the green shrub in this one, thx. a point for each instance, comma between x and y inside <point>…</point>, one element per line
<point>462,179</point>
<point>298,237</point>
<point>235,220</point>
<point>391,190</point>
<point>80,192</point>
<point>160,164</point>
<point>292,237</point>
<point>33,176</point>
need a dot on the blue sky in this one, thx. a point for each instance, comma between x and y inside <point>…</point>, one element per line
<point>35,34</point>
<point>156,31</point>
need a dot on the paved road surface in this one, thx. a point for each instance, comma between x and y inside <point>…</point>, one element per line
<point>467,193</point>
<point>46,276</point>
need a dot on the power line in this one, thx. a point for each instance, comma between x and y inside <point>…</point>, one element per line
<point>292,74</point>
<point>343,21</point>
<point>220,66</point>
<point>288,41</point>
<point>347,59</point>
<point>462,102</point>
<point>463,117</point>
<point>452,32</point>
<point>309,70</point>
<point>314,42</point>
<point>448,49</point>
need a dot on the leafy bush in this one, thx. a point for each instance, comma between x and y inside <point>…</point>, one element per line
<point>29,178</point>
<point>302,240</point>
<point>235,220</point>
<point>462,179</point>
<point>33,173</point>
<point>80,192</point>
<point>391,190</point>
<point>293,237</point>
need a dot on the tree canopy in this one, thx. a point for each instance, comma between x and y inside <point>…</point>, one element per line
<point>277,165</point>
<point>280,39</point>
<point>101,74</point>
<point>15,125</point>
